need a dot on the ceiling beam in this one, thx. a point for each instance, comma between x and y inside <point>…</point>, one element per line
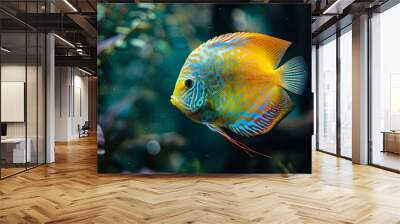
<point>337,6</point>
<point>79,61</point>
<point>86,27</point>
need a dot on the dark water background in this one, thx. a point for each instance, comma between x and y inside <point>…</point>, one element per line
<point>144,133</point>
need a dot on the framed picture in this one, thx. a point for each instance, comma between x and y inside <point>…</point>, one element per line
<point>204,88</point>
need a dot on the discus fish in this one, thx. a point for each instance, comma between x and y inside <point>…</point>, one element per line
<point>235,82</point>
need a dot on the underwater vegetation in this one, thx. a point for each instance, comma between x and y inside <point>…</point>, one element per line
<point>141,50</point>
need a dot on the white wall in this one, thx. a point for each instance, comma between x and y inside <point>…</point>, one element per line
<point>71,94</point>
<point>61,103</point>
<point>16,73</point>
<point>13,100</point>
<point>33,127</point>
<point>80,102</point>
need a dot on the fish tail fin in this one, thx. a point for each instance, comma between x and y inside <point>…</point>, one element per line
<point>294,75</point>
<point>241,146</point>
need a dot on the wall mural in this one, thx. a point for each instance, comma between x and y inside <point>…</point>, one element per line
<point>204,88</point>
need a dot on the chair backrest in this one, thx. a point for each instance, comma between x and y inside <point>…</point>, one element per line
<point>86,125</point>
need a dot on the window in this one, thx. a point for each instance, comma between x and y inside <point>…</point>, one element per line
<point>22,77</point>
<point>327,96</point>
<point>385,89</point>
<point>346,92</point>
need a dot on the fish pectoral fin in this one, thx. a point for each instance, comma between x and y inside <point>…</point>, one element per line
<point>241,146</point>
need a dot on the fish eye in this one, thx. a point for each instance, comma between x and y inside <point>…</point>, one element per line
<point>188,83</point>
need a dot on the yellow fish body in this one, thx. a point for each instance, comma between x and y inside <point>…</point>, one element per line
<point>235,81</point>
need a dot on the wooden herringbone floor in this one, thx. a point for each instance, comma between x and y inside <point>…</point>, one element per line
<point>70,191</point>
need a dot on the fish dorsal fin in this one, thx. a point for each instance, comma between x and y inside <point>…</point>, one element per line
<point>264,113</point>
<point>273,47</point>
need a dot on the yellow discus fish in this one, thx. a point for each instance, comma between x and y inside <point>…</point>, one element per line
<point>235,81</point>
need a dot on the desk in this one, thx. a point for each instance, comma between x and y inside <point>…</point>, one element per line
<point>391,141</point>
<point>18,150</point>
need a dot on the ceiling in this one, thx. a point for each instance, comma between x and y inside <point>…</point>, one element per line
<point>74,21</point>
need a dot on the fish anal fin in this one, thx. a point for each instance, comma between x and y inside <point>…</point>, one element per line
<point>240,145</point>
